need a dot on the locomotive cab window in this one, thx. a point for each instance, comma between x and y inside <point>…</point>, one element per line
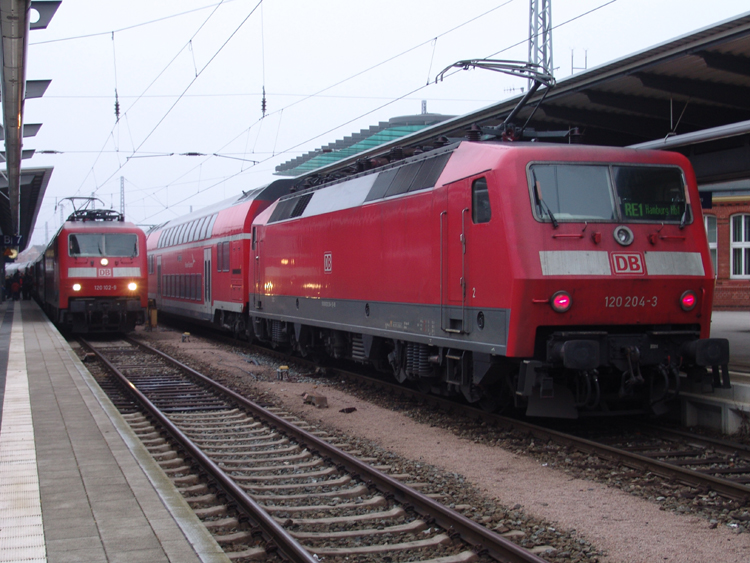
<point>600,192</point>
<point>100,244</point>
<point>480,201</point>
<point>651,193</point>
<point>571,192</point>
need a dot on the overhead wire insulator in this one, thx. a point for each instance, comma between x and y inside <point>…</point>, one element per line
<point>117,107</point>
<point>263,102</point>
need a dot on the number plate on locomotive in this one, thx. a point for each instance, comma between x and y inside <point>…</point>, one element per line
<point>630,301</point>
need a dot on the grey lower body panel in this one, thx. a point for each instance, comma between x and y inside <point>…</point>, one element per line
<point>467,328</point>
<point>192,313</point>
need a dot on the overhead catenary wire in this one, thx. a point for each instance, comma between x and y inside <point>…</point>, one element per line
<point>216,6</point>
<point>570,20</point>
<point>289,149</point>
<point>134,26</point>
<point>248,130</point>
<point>213,57</point>
<point>169,64</point>
<point>391,100</point>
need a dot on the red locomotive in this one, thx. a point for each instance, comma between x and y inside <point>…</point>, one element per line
<point>92,276</point>
<point>564,279</point>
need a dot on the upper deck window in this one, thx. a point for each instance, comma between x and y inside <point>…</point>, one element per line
<point>102,244</point>
<point>593,192</point>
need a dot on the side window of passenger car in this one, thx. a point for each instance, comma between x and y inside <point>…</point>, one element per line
<point>480,201</point>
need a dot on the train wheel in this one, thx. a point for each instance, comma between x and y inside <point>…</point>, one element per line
<point>496,399</point>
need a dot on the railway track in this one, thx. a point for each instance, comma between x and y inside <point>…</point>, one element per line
<point>729,462</point>
<point>284,488</point>
<point>698,462</point>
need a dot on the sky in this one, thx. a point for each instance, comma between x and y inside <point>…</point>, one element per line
<point>189,76</point>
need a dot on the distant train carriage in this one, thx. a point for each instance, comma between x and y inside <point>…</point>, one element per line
<point>92,276</point>
<point>562,279</point>
<point>198,264</point>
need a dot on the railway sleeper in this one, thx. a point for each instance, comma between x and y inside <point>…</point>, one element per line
<point>231,441</point>
<point>265,478</point>
<point>221,524</point>
<point>163,455</point>
<point>354,492</point>
<point>374,502</point>
<point>211,511</point>
<point>279,467</point>
<point>207,426</point>
<point>171,463</point>
<point>330,483</point>
<point>153,442</point>
<point>227,414</point>
<point>181,470</point>
<point>255,452</point>
<point>185,480</point>
<point>252,554</point>
<point>235,537</point>
<point>207,499</point>
<point>193,490</point>
<point>412,527</point>
<point>435,541</point>
<point>463,557</point>
<point>393,513</point>
<point>260,444</point>
<point>304,454</point>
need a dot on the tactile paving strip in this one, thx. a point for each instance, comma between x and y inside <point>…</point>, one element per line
<point>21,530</point>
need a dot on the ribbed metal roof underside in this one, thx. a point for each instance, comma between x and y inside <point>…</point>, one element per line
<point>33,185</point>
<point>697,82</point>
<point>367,139</point>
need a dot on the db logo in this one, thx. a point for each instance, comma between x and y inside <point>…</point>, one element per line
<point>105,273</point>
<point>328,262</point>
<point>627,263</point>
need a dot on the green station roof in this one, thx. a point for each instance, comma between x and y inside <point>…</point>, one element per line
<point>366,139</point>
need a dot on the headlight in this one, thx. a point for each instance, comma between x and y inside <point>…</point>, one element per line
<point>76,287</point>
<point>688,300</point>
<point>132,286</point>
<point>104,262</point>
<point>561,301</point>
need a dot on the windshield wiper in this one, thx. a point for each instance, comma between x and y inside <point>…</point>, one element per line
<point>540,202</point>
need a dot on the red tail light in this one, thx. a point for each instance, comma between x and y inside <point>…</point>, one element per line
<point>688,300</point>
<point>561,301</point>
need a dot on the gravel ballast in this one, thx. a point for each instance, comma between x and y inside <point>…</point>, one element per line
<point>614,525</point>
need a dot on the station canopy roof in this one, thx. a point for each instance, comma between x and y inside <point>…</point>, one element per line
<point>690,94</point>
<point>377,135</point>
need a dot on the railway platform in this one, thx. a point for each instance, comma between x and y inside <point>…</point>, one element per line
<point>75,482</point>
<point>726,410</point>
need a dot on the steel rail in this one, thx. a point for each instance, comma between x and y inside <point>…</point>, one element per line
<point>473,533</point>
<point>724,446</point>
<point>726,488</point>
<point>279,537</point>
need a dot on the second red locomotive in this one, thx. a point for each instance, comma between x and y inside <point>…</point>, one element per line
<point>564,279</point>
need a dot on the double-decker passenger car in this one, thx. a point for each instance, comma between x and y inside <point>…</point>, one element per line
<point>198,265</point>
<point>563,279</point>
<point>92,276</point>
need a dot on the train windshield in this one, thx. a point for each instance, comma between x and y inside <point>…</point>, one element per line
<point>591,192</point>
<point>101,244</point>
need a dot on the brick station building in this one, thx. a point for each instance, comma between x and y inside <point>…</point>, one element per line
<point>728,227</point>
